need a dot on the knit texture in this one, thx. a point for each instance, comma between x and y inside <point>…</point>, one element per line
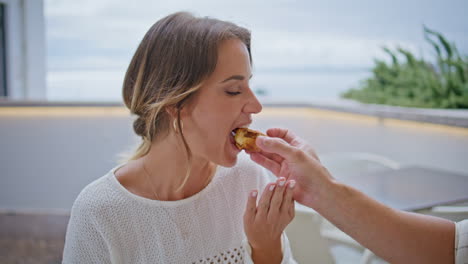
<point>109,224</point>
<point>461,242</point>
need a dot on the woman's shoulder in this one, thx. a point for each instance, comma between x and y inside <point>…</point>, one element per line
<point>96,195</point>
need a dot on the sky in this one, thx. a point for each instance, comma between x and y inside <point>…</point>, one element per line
<point>287,36</point>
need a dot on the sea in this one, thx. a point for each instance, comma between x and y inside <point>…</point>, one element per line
<point>288,85</point>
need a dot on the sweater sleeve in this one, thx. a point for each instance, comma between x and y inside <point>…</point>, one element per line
<point>84,242</point>
<point>285,247</point>
<point>461,242</point>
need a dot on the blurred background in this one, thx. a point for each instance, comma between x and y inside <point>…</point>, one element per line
<point>301,49</point>
<point>375,86</point>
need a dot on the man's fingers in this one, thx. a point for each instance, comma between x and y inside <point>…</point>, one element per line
<point>277,146</point>
<point>251,207</point>
<point>284,171</point>
<point>275,157</point>
<point>266,163</point>
<point>285,134</point>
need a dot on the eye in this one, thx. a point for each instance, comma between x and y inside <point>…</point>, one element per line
<point>232,93</point>
<point>233,90</point>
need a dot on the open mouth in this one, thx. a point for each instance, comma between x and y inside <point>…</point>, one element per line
<point>231,137</point>
<point>245,139</point>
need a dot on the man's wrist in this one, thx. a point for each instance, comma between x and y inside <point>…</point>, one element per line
<point>324,194</point>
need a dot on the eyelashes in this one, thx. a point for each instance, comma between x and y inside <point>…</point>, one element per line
<point>234,90</point>
<point>232,93</point>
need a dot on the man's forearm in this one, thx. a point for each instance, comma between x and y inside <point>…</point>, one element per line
<point>396,236</point>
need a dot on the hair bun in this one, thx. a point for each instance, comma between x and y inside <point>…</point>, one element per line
<point>139,126</point>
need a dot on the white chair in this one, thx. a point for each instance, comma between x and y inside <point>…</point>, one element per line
<point>351,164</point>
<point>304,236</point>
<point>456,212</point>
<point>337,238</point>
<point>344,167</point>
<point>310,244</point>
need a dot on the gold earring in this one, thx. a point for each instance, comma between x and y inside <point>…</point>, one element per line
<point>174,124</point>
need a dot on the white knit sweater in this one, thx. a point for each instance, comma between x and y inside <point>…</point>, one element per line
<point>461,242</point>
<point>109,224</point>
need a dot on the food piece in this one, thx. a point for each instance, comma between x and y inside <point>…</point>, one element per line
<point>245,139</point>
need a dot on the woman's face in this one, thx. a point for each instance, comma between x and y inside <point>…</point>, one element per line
<point>223,103</point>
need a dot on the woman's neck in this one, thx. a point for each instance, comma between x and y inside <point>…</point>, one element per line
<point>166,168</point>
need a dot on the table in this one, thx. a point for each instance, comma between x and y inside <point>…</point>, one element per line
<point>413,188</point>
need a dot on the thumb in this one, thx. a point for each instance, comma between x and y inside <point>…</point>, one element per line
<point>277,146</point>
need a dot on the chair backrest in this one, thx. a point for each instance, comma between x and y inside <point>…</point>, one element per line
<point>351,164</point>
<point>307,244</point>
<point>346,167</point>
<point>454,213</point>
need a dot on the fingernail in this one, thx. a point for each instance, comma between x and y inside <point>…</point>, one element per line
<point>281,182</point>
<point>254,194</point>
<point>292,183</point>
<point>272,187</point>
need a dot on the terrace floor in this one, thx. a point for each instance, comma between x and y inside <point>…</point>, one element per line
<point>48,154</point>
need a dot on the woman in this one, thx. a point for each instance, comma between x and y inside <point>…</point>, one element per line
<point>182,197</point>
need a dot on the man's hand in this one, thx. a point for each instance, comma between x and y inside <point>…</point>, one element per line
<point>289,156</point>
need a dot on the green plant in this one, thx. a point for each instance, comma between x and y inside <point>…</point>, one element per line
<point>414,82</point>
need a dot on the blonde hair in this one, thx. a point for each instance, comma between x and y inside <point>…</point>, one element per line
<point>169,66</point>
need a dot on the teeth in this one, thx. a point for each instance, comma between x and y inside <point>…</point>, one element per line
<point>233,133</point>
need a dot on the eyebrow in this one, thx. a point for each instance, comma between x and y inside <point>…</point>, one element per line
<point>235,77</point>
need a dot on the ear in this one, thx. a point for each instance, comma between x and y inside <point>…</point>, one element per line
<point>171,111</point>
<point>185,111</point>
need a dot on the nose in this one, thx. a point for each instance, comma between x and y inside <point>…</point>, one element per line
<point>253,106</point>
